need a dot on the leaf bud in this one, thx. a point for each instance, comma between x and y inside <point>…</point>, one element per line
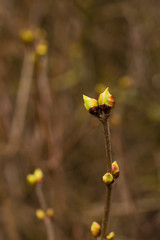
<point>38,174</point>
<point>108,178</point>
<point>106,100</point>
<point>27,35</point>
<point>50,212</point>
<point>42,48</point>
<point>115,169</point>
<point>110,236</point>
<point>40,214</point>
<point>31,179</point>
<point>95,229</point>
<point>91,105</point>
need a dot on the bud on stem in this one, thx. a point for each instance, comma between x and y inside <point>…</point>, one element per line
<point>115,169</point>
<point>106,100</point>
<point>110,236</point>
<point>95,229</point>
<point>91,105</point>
<point>108,178</point>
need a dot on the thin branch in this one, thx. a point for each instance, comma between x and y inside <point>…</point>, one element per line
<point>47,221</point>
<point>106,131</point>
<point>22,99</point>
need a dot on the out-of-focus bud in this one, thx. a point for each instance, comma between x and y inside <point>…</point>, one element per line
<point>108,178</point>
<point>42,48</point>
<point>38,174</point>
<point>115,169</point>
<point>50,212</point>
<point>31,179</point>
<point>95,229</point>
<point>106,100</point>
<point>91,105</point>
<point>125,81</point>
<point>110,236</point>
<point>27,35</point>
<point>40,214</point>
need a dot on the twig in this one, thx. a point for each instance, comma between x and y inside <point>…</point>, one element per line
<point>22,99</point>
<point>47,221</point>
<point>106,131</point>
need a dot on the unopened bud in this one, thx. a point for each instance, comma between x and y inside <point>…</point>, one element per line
<point>115,169</point>
<point>31,179</point>
<point>50,212</point>
<point>110,236</point>
<point>38,175</point>
<point>108,178</point>
<point>42,48</point>
<point>91,105</point>
<point>106,100</point>
<point>27,35</point>
<point>95,229</point>
<point>40,214</point>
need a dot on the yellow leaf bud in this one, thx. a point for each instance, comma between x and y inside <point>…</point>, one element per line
<point>115,169</point>
<point>95,229</point>
<point>31,179</point>
<point>108,178</point>
<point>40,214</point>
<point>38,174</point>
<point>50,212</point>
<point>110,236</point>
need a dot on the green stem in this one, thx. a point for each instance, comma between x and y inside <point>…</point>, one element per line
<point>106,131</point>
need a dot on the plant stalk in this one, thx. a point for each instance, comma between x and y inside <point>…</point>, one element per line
<point>47,221</point>
<point>106,131</point>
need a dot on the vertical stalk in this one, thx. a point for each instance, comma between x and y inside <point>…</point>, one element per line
<point>23,93</point>
<point>106,131</point>
<point>47,221</point>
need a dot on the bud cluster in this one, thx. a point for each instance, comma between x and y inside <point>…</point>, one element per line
<point>108,178</point>
<point>41,214</point>
<point>36,177</point>
<point>104,104</point>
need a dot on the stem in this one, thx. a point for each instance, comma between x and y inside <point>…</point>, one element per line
<point>22,99</point>
<point>106,131</point>
<point>47,221</point>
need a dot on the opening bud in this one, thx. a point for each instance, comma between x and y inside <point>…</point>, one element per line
<point>115,169</point>
<point>40,214</point>
<point>110,236</point>
<point>50,212</point>
<point>106,100</point>
<point>38,174</point>
<point>95,229</point>
<point>91,105</point>
<point>108,178</point>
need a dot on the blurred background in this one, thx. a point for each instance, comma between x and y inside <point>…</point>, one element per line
<point>51,53</point>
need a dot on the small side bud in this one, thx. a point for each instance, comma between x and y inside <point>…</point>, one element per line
<point>50,212</point>
<point>31,179</point>
<point>108,178</point>
<point>38,174</point>
<point>91,105</point>
<point>27,35</point>
<point>40,214</point>
<point>110,236</point>
<point>106,100</point>
<point>95,229</point>
<point>115,169</point>
<point>42,48</point>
